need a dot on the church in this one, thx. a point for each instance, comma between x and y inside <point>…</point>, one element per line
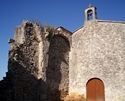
<point>58,65</point>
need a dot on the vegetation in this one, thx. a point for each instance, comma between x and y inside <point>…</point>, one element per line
<point>75,97</point>
<point>49,28</point>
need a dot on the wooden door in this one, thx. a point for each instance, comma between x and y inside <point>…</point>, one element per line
<point>95,90</point>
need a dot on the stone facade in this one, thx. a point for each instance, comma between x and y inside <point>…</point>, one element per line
<point>98,51</point>
<point>60,68</point>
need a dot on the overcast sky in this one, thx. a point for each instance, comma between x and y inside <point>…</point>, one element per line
<point>66,13</point>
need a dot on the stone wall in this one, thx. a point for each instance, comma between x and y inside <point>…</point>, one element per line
<point>58,68</point>
<point>98,51</point>
<point>26,68</point>
<point>57,71</point>
<point>38,69</point>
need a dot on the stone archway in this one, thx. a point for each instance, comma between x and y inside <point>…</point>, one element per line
<point>95,90</point>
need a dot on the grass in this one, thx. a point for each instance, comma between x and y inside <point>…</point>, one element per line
<point>75,97</point>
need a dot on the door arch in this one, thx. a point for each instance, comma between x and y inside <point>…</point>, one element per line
<point>95,90</point>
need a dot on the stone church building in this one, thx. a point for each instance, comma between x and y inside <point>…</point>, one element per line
<point>59,65</point>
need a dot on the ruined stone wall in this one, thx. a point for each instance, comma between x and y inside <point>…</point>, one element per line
<point>38,68</point>
<point>98,51</point>
<point>58,68</point>
<point>26,64</point>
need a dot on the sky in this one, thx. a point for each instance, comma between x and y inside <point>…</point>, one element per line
<point>66,13</point>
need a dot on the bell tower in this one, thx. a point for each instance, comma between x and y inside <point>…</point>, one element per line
<point>90,13</point>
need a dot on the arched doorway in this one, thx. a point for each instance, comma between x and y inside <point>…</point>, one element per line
<point>95,90</point>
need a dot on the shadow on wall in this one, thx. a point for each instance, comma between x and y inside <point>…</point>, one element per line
<point>57,71</point>
<point>20,84</point>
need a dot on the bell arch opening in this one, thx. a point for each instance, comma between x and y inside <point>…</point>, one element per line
<point>89,14</point>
